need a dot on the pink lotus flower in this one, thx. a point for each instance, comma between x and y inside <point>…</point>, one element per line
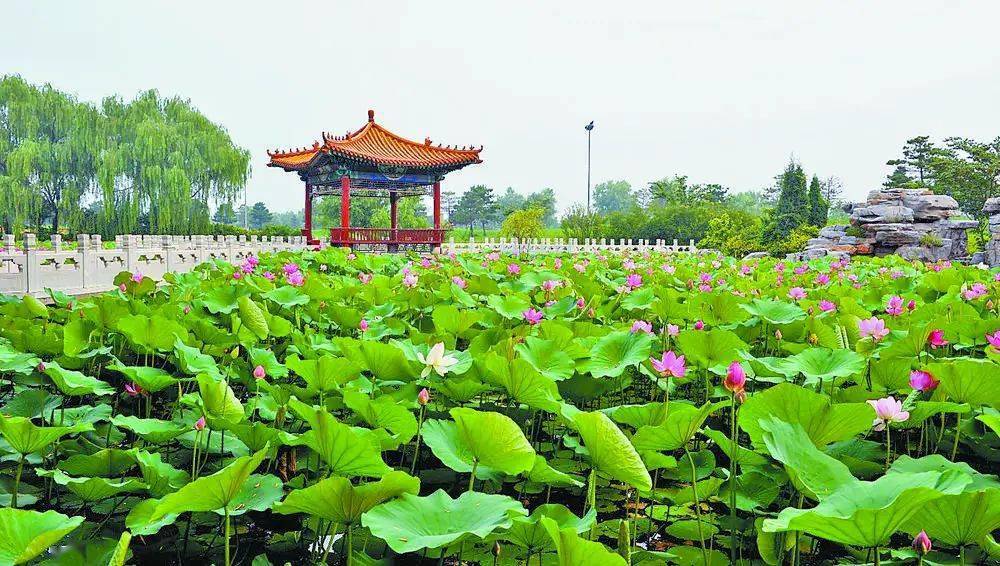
<point>977,290</point>
<point>122,287</point>
<point>704,288</point>
<point>922,543</point>
<point>533,316</point>
<point>410,281</point>
<point>513,269</point>
<point>365,278</point>
<point>873,327</point>
<point>669,364</point>
<point>633,281</point>
<point>40,367</point>
<point>777,334</point>
<point>822,279</point>
<point>736,379</point>
<point>911,305</point>
<point>268,275</point>
<point>259,372</point>
<point>887,410</point>
<point>137,277</point>
<point>351,257</point>
<point>827,306</point>
<point>133,389</point>
<point>641,326</point>
<point>796,293</point>
<point>936,339</point>
<point>493,256</point>
<point>668,269</point>
<point>424,396</point>
<point>801,269</point>
<point>673,330</point>
<point>699,325</point>
<point>557,263</point>
<point>252,260</point>
<point>746,269</point>
<point>363,325</point>
<point>994,340</point>
<point>779,267</point>
<point>290,268</point>
<point>245,267</point>
<point>425,263</point>
<point>580,303</point>
<point>895,306</point>
<point>296,279</point>
<point>187,309</point>
<point>237,275</point>
<point>628,264</point>
<point>199,424</point>
<point>922,381</point>
<point>459,282</point>
<point>550,285</point>
<point>705,278</point>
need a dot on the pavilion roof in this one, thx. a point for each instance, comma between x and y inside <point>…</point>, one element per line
<point>374,145</point>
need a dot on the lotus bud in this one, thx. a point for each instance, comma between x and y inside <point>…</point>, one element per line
<point>699,325</point>
<point>989,304</point>
<point>496,549</point>
<point>777,334</point>
<point>199,424</point>
<point>187,309</point>
<point>259,373</point>
<point>363,325</point>
<point>122,287</point>
<point>69,305</point>
<point>424,396</point>
<point>41,367</point>
<point>922,543</point>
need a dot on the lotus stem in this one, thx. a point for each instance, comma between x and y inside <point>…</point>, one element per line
<point>958,433</point>
<point>416,448</point>
<point>732,482</point>
<point>227,536</point>
<point>17,482</point>
<point>877,561</point>
<point>591,499</point>
<point>350,545</point>
<point>472,476</point>
<point>697,504</point>
<point>888,449</point>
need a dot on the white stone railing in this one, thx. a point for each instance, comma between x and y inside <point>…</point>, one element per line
<point>91,267</point>
<point>549,245</point>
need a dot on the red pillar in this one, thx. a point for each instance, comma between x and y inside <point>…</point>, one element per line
<point>345,208</point>
<point>393,214</point>
<point>307,231</point>
<point>437,205</point>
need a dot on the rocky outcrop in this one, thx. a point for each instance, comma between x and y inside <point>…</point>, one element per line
<point>913,223</point>
<point>991,250</point>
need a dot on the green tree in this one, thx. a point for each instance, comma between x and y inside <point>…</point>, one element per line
<point>524,223</point>
<point>967,170</point>
<point>916,161</point>
<point>613,196</point>
<point>477,206</point>
<point>898,178</point>
<point>818,206</point>
<point>260,216</point>
<point>510,201</point>
<point>580,224</point>
<point>792,209</point>
<point>544,199</point>
<point>224,214</point>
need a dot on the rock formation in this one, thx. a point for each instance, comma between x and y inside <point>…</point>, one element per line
<point>912,223</point>
<point>991,251</point>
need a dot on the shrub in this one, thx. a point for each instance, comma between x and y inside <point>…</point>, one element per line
<point>795,242</point>
<point>524,223</point>
<point>580,224</point>
<point>931,240</point>
<point>735,233</point>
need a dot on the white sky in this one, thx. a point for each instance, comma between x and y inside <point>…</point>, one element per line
<point>721,91</point>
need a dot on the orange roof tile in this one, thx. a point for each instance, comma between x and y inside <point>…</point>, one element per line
<point>378,146</point>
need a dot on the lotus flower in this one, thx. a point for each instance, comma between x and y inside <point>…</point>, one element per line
<point>977,290</point>
<point>777,334</point>
<point>259,373</point>
<point>295,279</point>
<point>580,303</point>
<point>922,543</point>
<point>459,282</point>
<point>669,269</point>
<point>641,326</point>
<point>513,269</point>
<point>237,275</point>
<point>122,287</point>
<point>736,379</point>
<point>557,263</point>
<point>936,339</point>
<point>425,263</point>
<point>268,275</point>
<point>424,396</point>
<point>533,316</point>
<point>137,277</point>
<point>290,268</point>
<point>580,267</point>
<point>669,364</point>
<point>410,281</point>
<point>187,309</point>
<point>199,424</point>
<point>365,278</point>
<point>873,327</point>
<point>827,306</point>
<point>673,330</point>
<point>633,281</point>
<point>699,325</point>
<point>796,293</point>
<point>436,361</point>
<point>994,340</point>
<point>40,367</point>
<point>888,410</point>
<point>895,306</point>
<point>822,279</point>
<point>922,380</point>
<point>363,325</point>
<point>133,389</point>
<point>550,285</point>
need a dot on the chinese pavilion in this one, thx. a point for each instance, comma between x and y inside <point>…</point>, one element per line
<point>374,162</point>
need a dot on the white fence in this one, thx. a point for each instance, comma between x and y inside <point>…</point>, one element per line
<point>91,268</point>
<point>557,245</point>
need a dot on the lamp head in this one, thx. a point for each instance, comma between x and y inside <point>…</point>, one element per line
<point>589,126</point>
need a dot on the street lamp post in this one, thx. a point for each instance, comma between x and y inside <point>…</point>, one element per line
<point>589,127</point>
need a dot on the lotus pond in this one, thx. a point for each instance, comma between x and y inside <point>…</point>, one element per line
<point>575,410</point>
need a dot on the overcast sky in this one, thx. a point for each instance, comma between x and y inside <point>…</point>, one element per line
<point>723,92</point>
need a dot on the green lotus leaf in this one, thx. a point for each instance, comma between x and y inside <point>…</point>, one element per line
<point>610,450</point>
<point>253,317</point>
<point>12,361</point>
<point>508,306</point>
<point>156,333</point>
<point>287,296</point>
<point>384,361</point>
<point>966,380</point>
<point>192,362</point>
<point>866,514</point>
<point>682,422</point>
<point>34,307</point>
<point>954,520</point>
<point>445,441</point>
<point>923,410</point>
<point>494,440</point>
<point>258,493</point>
<point>818,472</point>
<point>462,389</point>
<point>823,421</point>
<point>152,379</point>
<point>93,551</point>
<point>710,348</point>
<point>92,489</point>
<point>77,334</point>
<point>151,430</point>
<point>80,414</point>
<point>139,519</point>
<point>75,383</point>
<point>450,320</point>
<point>522,382</point>
<point>547,357</point>
<point>220,404</point>
<point>160,477</point>
<point>774,311</point>
<point>31,403</point>
<point>324,374</point>
<point>383,412</point>
<point>650,414</point>
<point>266,359</point>
<point>575,551</point>
<point>824,364</point>
<point>104,463</point>
<point>336,499</point>
<point>257,435</point>
<point>412,523</point>
<point>618,350</point>
<point>208,493</point>
<point>347,451</point>
<point>26,534</point>
<point>25,437</point>
<point>992,421</point>
<point>545,474</point>
<point>528,532</point>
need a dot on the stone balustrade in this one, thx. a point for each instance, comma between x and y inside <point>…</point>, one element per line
<point>562,245</point>
<point>91,267</point>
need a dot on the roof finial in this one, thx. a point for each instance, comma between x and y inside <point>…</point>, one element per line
<point>371,115</point>
<point>427,141</point>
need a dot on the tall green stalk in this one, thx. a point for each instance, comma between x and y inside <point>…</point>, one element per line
<point>697,504</point>
<point>734,447</point>
<point>17,482</point>
<point>416,449</point>
<point>227,535</point>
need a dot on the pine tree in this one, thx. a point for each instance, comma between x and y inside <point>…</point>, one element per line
<point>793,208</point>
<point>260,216</point>
<point>818,206</point>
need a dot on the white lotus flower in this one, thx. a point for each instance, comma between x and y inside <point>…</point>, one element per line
<point>436,360</point>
